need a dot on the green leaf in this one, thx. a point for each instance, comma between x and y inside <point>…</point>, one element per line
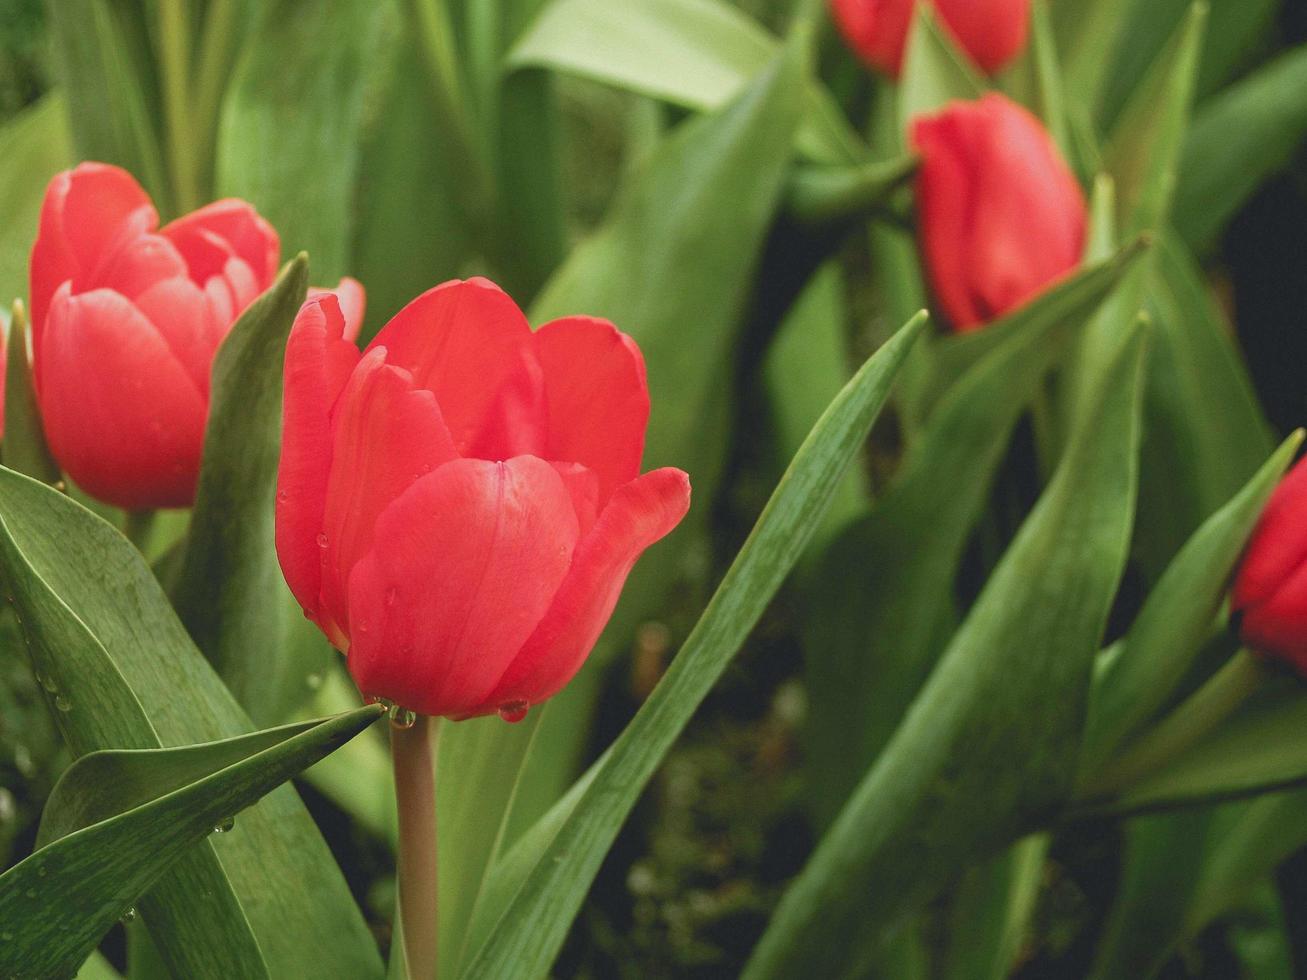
<point>97,968</point>
<point>822,193</point>
<point>23,448</point>
<point>118,819</point>
<point>935,72</point>
<point>104,64</point>
<point>700,54</point>
<point>1050,98</point>
<point>531,926</point>
<point>987,751</point>
<point>1219,174</point>
<point>230,592</point>
<point>119,671</point>
<point>34,146</point>
<point>882,602</point>
<point>1088,32</point>
<point>1204,434</point>
<point>990,914</point>
<point>1143,153</point>
<point>1256,750</point>
<point>289,134</point>
<point>1142,674</point>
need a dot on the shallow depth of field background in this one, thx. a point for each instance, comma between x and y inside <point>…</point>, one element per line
<point>689,885</point>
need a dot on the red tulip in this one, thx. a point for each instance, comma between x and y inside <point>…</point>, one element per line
<point>1000,214</point>
<point>459,506</point>
<point>1269,596</point>
<point>126,319</point>
<point>992,32</point>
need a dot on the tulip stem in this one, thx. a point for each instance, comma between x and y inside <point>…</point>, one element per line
<point>138,528</point>
<point>413,751</point>
<point>1206,708</point>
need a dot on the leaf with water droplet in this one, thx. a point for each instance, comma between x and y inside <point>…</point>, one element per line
<point>402,718</point>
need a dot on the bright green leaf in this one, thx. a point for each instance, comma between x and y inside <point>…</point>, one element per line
<point>935,72</point>
<point>34,146</point>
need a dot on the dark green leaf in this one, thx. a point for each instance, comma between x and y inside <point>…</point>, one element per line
<point>24,448</point>
<point>230,592</point>
<point>987,751</point>
<point>120,672</point>
<point>118,819</point>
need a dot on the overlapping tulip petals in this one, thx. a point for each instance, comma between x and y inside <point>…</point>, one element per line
<point>126,320</point>
<point>459,507</point>
<point>1269,596</point>
<point>1001,216</point>
<point>992,32</point>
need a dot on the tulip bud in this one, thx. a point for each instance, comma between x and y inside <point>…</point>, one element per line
<point>1000,215</point>
<point>126,320</point>
<point>459,506</point>
<point>992,32</point>
<point>1269,597</point>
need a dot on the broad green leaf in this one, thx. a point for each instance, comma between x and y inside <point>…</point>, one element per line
<point>533,923</point>
<point>935,72</point>
<point>34,146</point>
<point>700,54</point>
<point>23,448</point>
<point>1050,98</point>
<point>822,193</point>
<point>1256,750</point>
<point>230,592</point>
<point>1218,174</point>
<point>120,672</point>
<point>118,819</point>
<point>1143,673</point>
<point>1204,433</point>
<point>97,967</point>
<point>104,63</point>
<point>987,751</point>
<point>405,241</point>
<point>1088,33</point>
<point>289,135</point>
<point>882,602</point>
<point>1143,153</point>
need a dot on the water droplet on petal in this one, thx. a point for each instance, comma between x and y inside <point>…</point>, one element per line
<point>402,718</point>
<point>282,496</point>
<point>392,595</point>
<point>128,916</point>
<point>225,826</point>
<point>322,540</point>
<point>513,711</point>
<point>62,703</point>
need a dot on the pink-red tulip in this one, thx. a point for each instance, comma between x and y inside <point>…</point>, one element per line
<point>458,507</point>
<point>1000,215</point>
<point>1269,596</point>
<point>126,320</point>
<point>992,32</point>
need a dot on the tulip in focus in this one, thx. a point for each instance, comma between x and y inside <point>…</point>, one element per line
<point>459,506</point>
<point>1269,597</point>
<point>126,320</point>
<point>1001,216</point>
<point>992,32</point>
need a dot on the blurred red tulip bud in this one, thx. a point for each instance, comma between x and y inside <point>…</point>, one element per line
<point>1270,589</point>
<point>1000,215</point>
<point>459,506</point>
<point>992,32</point>
<point>126,319</point>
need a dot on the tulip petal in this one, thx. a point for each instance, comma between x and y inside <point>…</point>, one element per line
<point>241,229</point>
<point>1277,625</point>
<point>1278,546</point>
<point>597,397</point>
<point>353,303</point>
<point>318,364</point>
<point>139,264</point>
<point>469,344</point>
<point>178,310</point>
<point>387,435</point>
<point>992,32</point>
<point>121,415</point>
<point>465,564</point>
<point>639,514</point>
<point>88,213</point>
<point>583,487</point>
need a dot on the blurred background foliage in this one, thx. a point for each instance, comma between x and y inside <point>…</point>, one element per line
<point>695,874</point>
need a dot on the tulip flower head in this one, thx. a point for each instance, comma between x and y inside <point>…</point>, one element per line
<point>1269,597</point>
<point>458,506</point>
<point>126,320</point>
<point>1000,214</point>
<point>992,32</point>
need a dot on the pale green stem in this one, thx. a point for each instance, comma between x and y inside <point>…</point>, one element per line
<point>139,527</point>
<point>1206,708</point>
<point>217,48</point>
<point>174,65</point>
<point>413,751</point>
